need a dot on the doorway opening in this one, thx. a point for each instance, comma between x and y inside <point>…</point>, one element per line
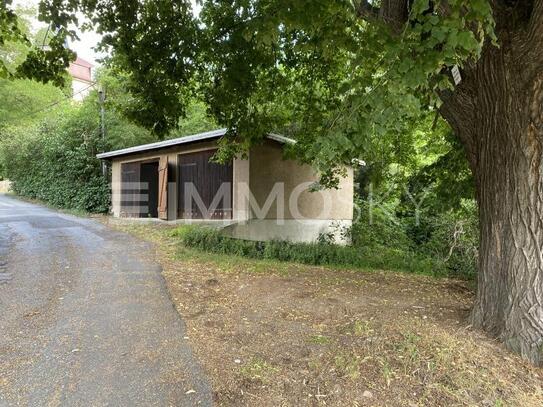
<point>149,189</point>
<point>139,189</point>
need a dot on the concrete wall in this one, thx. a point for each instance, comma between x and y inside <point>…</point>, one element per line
<point>241,178</point>
<point>269,169</point>
<point>293,230</point>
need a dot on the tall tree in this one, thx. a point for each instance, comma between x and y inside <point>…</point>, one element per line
<point>335,73</point>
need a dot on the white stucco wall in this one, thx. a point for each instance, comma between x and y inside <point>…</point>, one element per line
<point>80,89</point>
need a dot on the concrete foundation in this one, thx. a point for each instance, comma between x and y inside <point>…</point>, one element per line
<point>306,231</point>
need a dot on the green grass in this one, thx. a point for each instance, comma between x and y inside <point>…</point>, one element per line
<point>319,340</point>
<point>211,240</point>
<point>258,369</point>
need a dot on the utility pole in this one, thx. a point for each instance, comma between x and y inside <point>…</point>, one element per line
<point>101,100</point>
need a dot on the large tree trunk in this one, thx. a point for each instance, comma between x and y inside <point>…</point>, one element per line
<point>498,114</point>
<point>509,300</point>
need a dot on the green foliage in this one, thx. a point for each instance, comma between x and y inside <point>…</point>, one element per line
<point>454,239</point>
<point>122,102</point>
<point>378,226</point>
<point>22,57</point>
<point>448,237</point>
<point>329,78</point>
<point>212,240</point>
<point>54,161</point>
<point>12,36</point>
<point>155,42</point>
<point>196,121</point>
<point>25,101</point>
<point>313,69</point>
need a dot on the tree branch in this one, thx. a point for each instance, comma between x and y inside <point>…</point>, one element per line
<point>393,13</point>
<point>458,110</point>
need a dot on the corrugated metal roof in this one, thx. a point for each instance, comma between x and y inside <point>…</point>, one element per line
<point>182,140</point>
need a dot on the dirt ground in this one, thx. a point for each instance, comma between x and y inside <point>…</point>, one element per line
<point>280,334</point>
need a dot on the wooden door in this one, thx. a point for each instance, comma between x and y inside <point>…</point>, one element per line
<point>212,183</point>
<point>163,188</point>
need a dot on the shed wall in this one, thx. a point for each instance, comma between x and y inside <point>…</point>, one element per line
<point>263,168</point>
<point>267,168</point>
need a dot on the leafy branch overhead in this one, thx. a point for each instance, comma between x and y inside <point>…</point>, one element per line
<point>326,72</point>
<point>42,63</point>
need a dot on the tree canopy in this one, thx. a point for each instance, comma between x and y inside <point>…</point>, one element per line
<point>329,73</point>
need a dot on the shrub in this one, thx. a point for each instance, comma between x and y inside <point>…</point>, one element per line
<point>54,161</point>
<point>449,238</point>
<point>378,226</point>
<point>455,241</point>
<point>213,240</point>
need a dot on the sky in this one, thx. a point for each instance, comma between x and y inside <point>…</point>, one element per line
<point>87,40</point>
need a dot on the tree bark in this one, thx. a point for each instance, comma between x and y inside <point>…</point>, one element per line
<point>497,113</point>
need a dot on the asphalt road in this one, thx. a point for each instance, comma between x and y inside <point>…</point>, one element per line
<point>85,317</point>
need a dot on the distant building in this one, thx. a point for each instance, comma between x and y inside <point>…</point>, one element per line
<point>81,73</point>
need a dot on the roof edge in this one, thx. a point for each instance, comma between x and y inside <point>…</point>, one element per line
<point>208,135</point>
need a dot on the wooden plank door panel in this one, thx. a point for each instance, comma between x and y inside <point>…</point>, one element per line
<point>163,188</point>
<point>207,178</point>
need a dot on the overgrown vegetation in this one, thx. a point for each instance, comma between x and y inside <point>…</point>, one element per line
<point>320,253</point>
<point>54,161</point>
<point>449,237</point>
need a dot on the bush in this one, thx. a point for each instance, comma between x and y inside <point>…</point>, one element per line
<point>212,240</point>
<point>455,240</point>
<point>378,226</point>
<point>450,237</point>
<point>54,161</point>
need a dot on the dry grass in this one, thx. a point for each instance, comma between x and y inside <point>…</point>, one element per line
<point>274,334</point>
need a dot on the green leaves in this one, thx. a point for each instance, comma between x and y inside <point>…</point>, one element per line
<point>10,32</point>
<point>312,69</point>
<point>20,58</point>
<point>419,7</point>
<point>55,161</point>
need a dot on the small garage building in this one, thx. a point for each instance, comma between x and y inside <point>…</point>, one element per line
<point>260,197</point>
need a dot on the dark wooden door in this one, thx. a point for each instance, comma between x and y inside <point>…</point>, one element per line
<point>204,188</point>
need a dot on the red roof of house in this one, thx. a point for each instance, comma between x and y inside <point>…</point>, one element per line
<point>82,62</point>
